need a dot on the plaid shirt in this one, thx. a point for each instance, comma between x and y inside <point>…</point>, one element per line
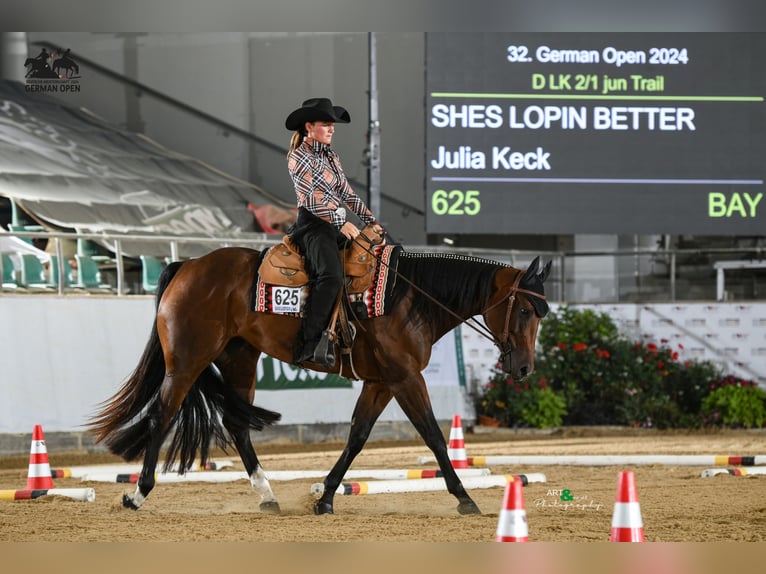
<point>321,185</point>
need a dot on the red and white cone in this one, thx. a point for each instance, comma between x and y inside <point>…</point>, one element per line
<point>512,524</point>
<point>39,475</point>
<point>456,446</point>
<point>627,525</point>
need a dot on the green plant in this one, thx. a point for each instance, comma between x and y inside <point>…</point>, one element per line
<point>520,404</point>
<point>546,409</point>
<point>603,377</point>
<point>734,402</point>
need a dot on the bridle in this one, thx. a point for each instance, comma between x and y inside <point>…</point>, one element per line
<point>503,344</point>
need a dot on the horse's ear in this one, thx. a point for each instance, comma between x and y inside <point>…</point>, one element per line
<point>546,271</point>
<point>532,269</point>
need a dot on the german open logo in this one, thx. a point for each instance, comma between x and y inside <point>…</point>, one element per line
<point>55,72</point>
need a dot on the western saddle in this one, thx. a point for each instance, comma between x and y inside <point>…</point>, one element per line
<point>283,265</point>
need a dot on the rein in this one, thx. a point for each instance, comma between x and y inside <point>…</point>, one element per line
<point>481,329</point>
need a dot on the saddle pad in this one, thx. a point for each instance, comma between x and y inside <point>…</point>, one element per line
<point>275,299</point>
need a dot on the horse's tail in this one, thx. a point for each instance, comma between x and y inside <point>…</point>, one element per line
<point>125,424</point>
<point>136,393</point>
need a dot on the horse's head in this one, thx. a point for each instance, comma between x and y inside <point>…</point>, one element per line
<point>513,315</point>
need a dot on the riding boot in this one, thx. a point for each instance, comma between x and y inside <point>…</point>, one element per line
<point>313,344</point>
<point>323,263</point>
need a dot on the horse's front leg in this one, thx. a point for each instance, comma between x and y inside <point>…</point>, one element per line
<point>371,402</point>
<point>412,396</point>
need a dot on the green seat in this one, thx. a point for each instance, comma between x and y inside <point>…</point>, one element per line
<point>89,275</point>
<point>32,272</point>
<point>9,273</point>
<point>16,227</point>
<point>151,268</point>
<point>54,272</point>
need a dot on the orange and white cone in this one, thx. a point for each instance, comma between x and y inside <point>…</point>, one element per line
<point>512,524</point>
<point>39,475</point>
<point>627,525</point>
<point>456,446</point>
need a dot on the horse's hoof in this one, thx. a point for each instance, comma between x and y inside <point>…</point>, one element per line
<point>127,502</point>
<point>323,508</point>
<point>271,507</point>
<point>468,508</point>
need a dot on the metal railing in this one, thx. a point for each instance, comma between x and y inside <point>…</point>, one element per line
<point>634,275</point>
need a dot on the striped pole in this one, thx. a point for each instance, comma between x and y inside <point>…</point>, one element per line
<point>627,525</point>
<point>610,460</point>
<point>734,471</point>
<point>39,476</point>
<point>232,476</point>
<point>80,471</point>
<point>81,494</point>
<point>512,523</point>
<point>424,485</point>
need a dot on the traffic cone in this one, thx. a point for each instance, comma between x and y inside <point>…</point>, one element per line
<point>39,475</point>
<point>512,524</point>
<point>456,447</point>
<point>627,525</point>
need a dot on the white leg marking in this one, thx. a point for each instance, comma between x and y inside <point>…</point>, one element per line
<point>138,498</point>
<point>261,485</point>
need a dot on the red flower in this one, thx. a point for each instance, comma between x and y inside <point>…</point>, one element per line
<point>660,364</point>
<point>579,346</point>
<point>602,353</point>
<point>674,355</point>
<point>562,346</point>
<point>652,347</point>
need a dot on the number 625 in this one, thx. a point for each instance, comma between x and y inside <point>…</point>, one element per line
<point>455,202</point>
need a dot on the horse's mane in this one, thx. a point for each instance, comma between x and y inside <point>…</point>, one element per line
<point>460,283</point>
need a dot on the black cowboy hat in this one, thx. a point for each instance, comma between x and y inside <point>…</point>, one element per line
<point>316,109</point>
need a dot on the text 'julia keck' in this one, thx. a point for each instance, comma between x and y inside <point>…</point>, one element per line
<point>500,158</point>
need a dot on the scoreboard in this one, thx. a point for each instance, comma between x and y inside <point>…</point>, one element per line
<point>607,133</point>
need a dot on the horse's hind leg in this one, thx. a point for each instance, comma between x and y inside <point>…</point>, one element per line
<point>412,396</point>
<point>158,419</point>
<point>237,365</point>
<point>371,402</point>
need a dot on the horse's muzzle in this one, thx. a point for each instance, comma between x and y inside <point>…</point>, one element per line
<point>515,364</point>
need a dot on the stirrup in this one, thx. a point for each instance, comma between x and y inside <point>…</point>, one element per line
<point>324,353</point>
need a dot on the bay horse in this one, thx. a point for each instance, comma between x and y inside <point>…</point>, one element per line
<point>197,373</point>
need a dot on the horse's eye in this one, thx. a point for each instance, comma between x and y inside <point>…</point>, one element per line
<point>524,311</point>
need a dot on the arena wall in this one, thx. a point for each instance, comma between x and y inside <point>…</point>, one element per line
<point>61,356</point>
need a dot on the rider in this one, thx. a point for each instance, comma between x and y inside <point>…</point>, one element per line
<point>43,56</point>
<point>324,198</point>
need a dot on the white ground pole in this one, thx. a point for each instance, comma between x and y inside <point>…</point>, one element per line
<point>752,470</point>
<point>610,460</point>
<point>80,471</point>
<point>423,485</point>
<point>279,475</point>
<point>81,494</point>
